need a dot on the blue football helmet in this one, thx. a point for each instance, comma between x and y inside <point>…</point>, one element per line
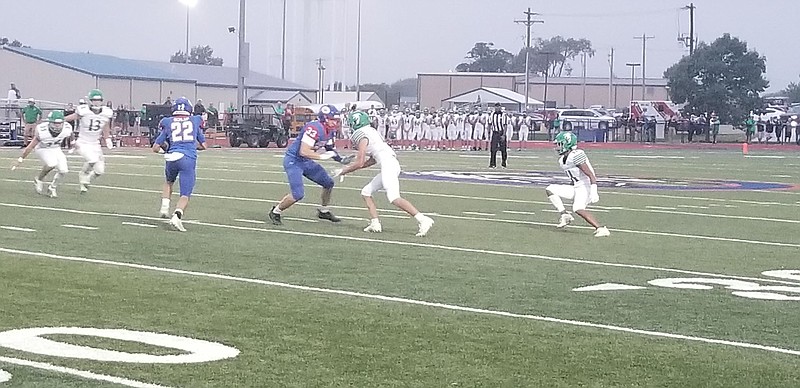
<point>182,106</point>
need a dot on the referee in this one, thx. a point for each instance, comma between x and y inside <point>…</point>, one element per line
<point>498,123</point>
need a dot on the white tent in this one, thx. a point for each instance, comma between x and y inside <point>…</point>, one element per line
<point>490,96</point>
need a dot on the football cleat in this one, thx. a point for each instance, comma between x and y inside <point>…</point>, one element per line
<point>164,213</point>
<point>38,185</point>
<point>327,216</point>
<point>374,228</point>
<point>274,217</point>
<point>602,232</point>
<point>565,220</point>
<point>51,192</point>
<point>424,226</point>
<point>176,223</point>
<point>84,180</point>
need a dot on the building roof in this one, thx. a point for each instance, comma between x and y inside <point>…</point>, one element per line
<point>490,96</point>
<point>277,96</point>
<point>334,98</point>
<point>108,66</point>
<point>469,74</point>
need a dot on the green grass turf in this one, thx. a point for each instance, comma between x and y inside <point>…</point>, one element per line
<point>507,262</point>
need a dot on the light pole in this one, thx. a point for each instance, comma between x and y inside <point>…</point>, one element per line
<point>358,55</point>
<point>189,5</point>
<point>283,44</point>
<point>243,65</point>
<point>321,75</point>
<point>633,66</point>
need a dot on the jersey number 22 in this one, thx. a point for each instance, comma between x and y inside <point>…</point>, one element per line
<point>182,131</point>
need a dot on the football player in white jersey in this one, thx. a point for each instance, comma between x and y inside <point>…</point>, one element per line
<point>393,133</point>
<point>381,121</point>
<point>583,188</point>
<point>416,129</point>
<point>373,150</point>
<point>408,129</point>
<point>94,121</point>
<point>46,144</point>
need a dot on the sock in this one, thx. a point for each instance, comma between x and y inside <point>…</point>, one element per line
<point>179,213</point>
<point>56,179</point>
<point>277,210</point>
<point>324,209</point>
<point>556,201</point>
<point>86,168</point>
<point>374,221</point>
<point>420,217</point>
<point>165,203</point>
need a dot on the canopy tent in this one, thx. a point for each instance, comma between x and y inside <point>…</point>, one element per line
<point>491,96</point>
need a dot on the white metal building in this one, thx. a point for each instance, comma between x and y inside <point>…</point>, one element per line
<point>67,77</point>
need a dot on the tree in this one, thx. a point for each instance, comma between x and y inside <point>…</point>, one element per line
<point>792,91</point>
<point>553,54</point>
<point>391,93</point>
<point>484,58</point>
<point>11,43</point>
<point>198,55</point>
<point>723,77</point>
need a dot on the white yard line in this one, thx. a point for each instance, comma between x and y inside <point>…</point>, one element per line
<point>479,214</point>
<point>17,228</point>
<point>401,300</point>
<point>661,208</point>
<point>140,225</point>
<point>84,227</point>
<point>301,219</point>
<point>417,244</point>
<point>518,212</point>
<point>249,221</point>
<point>76,372</point>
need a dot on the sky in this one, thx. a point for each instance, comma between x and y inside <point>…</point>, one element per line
<point>401,38</point>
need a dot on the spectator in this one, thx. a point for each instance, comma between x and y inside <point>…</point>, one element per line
<point>750,130</point>
<point>13,93</point>
<point>714,122</point>
<point>279,109</point>
<point>168,101</point>
<point>31,115</point>
<point>199,109</point>
<point>213,116</point>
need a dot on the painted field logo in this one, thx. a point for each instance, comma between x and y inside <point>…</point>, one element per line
<point>544,178</point>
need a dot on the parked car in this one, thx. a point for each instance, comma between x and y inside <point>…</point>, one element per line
<point>586,118</point>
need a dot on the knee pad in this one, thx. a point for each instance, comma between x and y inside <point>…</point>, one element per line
<point>367,191</point>
<point>99,168</point>
<point>392,195</point>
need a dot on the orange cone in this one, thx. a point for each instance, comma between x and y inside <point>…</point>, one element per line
<point>744,148</point>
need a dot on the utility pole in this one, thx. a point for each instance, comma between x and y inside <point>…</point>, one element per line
<point>283,44</point>
<point>644,39</point>
<point>583,83</point>
<point>243,65</point>
<point>690,41</point>
<point>358,55</point>
<point>321,85</point>
<point>528,22</point>
<point>611,79</point>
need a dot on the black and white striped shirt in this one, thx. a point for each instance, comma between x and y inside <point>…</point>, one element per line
<point>498,121</point>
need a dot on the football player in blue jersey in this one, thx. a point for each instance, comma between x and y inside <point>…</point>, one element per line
<point>300,161</point>
<point>181,136</point>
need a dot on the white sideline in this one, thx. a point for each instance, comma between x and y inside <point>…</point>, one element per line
<point>78,372</point>
<point>417,245</point>
<point>412,302</point>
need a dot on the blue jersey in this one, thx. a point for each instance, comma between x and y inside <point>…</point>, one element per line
<point>182,133</point>
<point>313,134</point>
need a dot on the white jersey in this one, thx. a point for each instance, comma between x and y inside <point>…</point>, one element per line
<point>91,124</point>
<point>570,162</point>
<point>381,123</point>
<point>394,122</point>
<point>376,146</point>
<point>47,140</point>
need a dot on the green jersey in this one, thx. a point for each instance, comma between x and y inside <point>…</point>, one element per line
<point>31,114</point>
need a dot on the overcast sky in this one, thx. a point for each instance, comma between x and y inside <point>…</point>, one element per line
<point>401,38</point>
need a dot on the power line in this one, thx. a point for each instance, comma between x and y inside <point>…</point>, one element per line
<point>528,22</point>
<point>609,14</point>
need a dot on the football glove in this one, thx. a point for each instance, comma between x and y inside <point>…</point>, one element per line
<point>594,197</point>
<point>338,173</point>
<point>347,159</point>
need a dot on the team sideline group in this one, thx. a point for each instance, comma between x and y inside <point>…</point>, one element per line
<point>181,136</point>
<point>442,129</point>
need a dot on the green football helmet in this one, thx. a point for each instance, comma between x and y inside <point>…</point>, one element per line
<point>56,120</point>
<point>358,120</point>
<point>565,142</point>
<point>96,97</point>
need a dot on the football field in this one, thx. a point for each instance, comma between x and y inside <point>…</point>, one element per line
<point>697,286</point>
